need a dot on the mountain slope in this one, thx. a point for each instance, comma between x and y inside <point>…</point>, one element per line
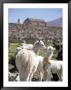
<point>56,22</point>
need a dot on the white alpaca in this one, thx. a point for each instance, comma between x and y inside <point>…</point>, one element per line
<point>24,46</point>
<point>47,66</point>
<point>54,66</point>
<point>50,51</point>
<point>27,46</point>
<point>18,49</point>
<point>26,61</point>
<point>41,65</point>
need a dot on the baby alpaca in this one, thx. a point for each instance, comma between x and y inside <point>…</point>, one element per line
<point>54,66</point>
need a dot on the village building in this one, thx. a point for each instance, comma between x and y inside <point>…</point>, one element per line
<point>35,22</point>
<point>33,29</point>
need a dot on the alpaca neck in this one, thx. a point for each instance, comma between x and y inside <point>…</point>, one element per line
<point>36,50</point>
<point>49,55</point>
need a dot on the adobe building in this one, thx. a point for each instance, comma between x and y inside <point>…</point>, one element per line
<point>35,22</point>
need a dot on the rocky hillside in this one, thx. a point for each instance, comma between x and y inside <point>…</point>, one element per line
<point>25,31</point>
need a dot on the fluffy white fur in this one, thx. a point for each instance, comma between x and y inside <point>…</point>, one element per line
<point>55,66</point>
<point>27,61</point>
<point>51,66</point>
<point>24,46</point>
<point>50,51</point>
<point>26,64</point>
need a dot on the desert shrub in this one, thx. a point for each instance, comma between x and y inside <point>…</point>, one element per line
<point>12,54</point>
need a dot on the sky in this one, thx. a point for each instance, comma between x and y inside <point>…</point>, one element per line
<point>35,13</point>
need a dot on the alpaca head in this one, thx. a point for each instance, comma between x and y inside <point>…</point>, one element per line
<point>50,51</point>
<point>19,48</point>
<point>39,44</point>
